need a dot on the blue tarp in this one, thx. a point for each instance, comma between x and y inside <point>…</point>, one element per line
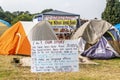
<point>101,50</point>
<point>118,26</point>
<point>5,22</point>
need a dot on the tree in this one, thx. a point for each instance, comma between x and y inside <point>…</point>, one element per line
<point>18,15</point>
<point>2,15</point>
<point>22,17</point>
<point>112,12</point>
<point>47,10</point>
<point>8,16</point>
<point>1,10</point>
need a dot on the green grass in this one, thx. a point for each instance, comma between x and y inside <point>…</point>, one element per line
<point>106,70</point>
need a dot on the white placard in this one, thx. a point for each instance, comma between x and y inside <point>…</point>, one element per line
<point>54,56</point>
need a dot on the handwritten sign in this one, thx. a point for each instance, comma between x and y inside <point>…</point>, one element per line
<point>54,56</point>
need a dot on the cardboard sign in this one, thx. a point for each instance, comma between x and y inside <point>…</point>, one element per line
<point>54,56</point>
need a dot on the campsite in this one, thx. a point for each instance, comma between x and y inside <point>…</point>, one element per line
<point>98,67</point>
<point>60,43</point>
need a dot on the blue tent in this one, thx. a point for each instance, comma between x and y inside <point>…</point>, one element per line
<point>5,22</point>
<point>118,26</point>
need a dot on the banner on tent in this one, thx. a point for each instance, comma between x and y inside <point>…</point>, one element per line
<point>49,17</point>
<point>54,56</point>
<point>63,22</point>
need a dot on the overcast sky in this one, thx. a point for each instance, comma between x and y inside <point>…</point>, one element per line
<point>87,9</point>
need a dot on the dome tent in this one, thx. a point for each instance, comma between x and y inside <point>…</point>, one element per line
<point>17,39</point>
<point>4,25</point>
<point>92,43</point>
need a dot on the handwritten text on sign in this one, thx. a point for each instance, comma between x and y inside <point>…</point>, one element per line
<point>54,56</point>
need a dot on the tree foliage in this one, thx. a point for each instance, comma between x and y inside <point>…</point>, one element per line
<point>1,10</point>
<point>18,15</point>
<point>15,16</point>
<point>112,12</point>
<point>22,16</point>
<point>46,10</point>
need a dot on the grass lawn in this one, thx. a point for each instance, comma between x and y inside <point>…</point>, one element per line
<point>106,70</point>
